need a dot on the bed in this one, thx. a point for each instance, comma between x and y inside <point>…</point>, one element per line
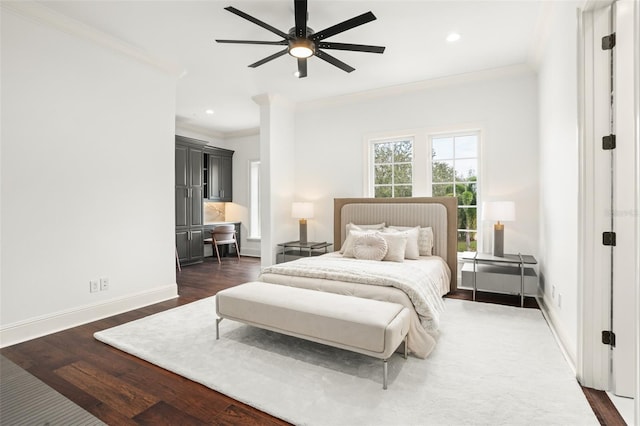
<point>418,284</point>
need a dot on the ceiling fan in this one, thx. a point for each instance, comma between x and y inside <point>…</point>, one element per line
<point>302,42</point>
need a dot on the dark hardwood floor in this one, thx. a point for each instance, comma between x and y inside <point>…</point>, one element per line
<point>121,389</point>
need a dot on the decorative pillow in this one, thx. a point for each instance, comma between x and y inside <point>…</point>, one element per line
<point>396,244</point>
<point>425,241</point>
<point>369,247</point>
<point>413,232</point>
<point>349,242</point>
<point>353,227</point>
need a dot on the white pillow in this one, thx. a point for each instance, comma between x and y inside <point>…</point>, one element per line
<point>370,247</point>
<point>375,226</point>
<point>412,251</point>
<point>425,241</point>
<point>349,242</point>
<point>353,227</point>
<point>396,244</point>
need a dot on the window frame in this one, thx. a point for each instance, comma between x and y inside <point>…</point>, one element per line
<point>422,160</point>
<point>419,171</point>
<point>477,132</point>
<point>372,164</point>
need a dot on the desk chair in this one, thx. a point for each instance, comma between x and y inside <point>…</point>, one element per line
<point>224,234</point>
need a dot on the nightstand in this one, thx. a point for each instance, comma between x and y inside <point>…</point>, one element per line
<point>500,273</point>
<point>295,250</point>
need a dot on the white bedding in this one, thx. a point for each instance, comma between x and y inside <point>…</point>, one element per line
<point>418,284</point>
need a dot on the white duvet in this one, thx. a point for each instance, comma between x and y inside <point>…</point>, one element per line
<point>421,284</point>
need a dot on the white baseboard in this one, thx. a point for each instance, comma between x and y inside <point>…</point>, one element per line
<point>558,331</point>
<point>250,252</point>
<point>41,326</point>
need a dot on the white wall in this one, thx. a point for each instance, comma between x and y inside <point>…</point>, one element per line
<point>87,140</point>
<point>559,174</point>
<point>330,157</point>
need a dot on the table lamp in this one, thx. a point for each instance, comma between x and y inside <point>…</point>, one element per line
<point>498,211</point>
<point>302,211</point>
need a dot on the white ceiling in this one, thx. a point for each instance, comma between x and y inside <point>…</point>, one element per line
<point>493,34</point>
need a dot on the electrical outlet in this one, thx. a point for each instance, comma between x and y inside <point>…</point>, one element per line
<point>94,285</point>
<point>553,291</point>
<point>559,300</point>
<point>104,283</point>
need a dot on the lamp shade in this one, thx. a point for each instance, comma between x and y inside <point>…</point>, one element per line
<point>501,211</point>
<point>302,210</point>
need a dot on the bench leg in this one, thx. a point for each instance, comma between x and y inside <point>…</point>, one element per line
<point>218,320</point>
<point>384,374</point>
<point>384,362</point>
<point>406,344</point>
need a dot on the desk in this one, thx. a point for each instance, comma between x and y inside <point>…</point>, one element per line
<point>510,267</point>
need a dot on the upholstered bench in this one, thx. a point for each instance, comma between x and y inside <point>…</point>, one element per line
<point>369,327</point>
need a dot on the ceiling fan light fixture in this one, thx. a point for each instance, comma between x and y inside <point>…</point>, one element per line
<point>301,48</point>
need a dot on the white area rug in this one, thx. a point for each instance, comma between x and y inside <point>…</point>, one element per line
<point>493,364</point>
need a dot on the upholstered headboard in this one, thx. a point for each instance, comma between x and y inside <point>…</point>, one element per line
<point>440,213</point>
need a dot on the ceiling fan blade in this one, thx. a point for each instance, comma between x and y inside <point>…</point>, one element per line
<point>300,7</point>
<point>344,26</point>
<point>302,67</point>
<point>275,43</point>
<point>333,61</point>
<point>257,22</point>
<point>269,58</point>
<point>352,47</point>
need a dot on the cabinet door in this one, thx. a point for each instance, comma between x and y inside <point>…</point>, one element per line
<point>196,188</point>
<point>226,178</point>
<point>195,204</point>
<point>182,245</point>
<point>196,244</point>
<point>182,159</point>
<point>195,167</point>
<point>215,163</point>
<point>182,186</point>
<point>183,206</point>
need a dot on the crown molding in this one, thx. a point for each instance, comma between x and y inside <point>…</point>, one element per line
<point>45,16</point>
<point>187,127</point>
<point>242,133</point>
<point>454,80</point>
<point>199,130</point>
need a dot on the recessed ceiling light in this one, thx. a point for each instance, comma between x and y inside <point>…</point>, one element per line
<point>453,37</point>
<point>209,112</point>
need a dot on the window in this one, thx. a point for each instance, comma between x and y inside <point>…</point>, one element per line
<point>254,202</point>
<point>392,168</point>
<point>454,172</point>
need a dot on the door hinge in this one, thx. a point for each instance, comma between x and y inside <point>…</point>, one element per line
<point>608,238</point>
<point>609,142</point>
<point>608,338</point>
<point>609,42</point>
